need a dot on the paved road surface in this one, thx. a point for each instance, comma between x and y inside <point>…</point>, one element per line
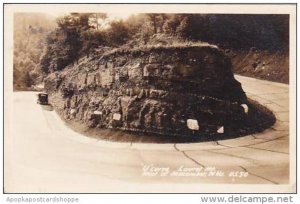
<point>44,155</point>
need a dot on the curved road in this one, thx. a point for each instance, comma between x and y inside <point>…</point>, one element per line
<point>43,155</point>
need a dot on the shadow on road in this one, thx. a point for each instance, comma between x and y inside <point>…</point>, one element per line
<point>47,107</point>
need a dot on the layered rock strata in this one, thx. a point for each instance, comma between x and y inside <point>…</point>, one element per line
<point>165,90</point>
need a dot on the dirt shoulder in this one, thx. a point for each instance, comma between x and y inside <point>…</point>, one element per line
<point>271,65</point>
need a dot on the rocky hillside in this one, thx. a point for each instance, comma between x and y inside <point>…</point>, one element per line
<point>175,90</point>
<point>261,64</point>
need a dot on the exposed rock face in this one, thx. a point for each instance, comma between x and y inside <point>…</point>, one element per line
<point>175,91</point>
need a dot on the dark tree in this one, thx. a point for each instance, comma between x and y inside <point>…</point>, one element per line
<point>118,33</point>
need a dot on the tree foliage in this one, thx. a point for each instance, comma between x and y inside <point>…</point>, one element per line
<point>74,36</point>
<point>30,31</point>
<point>79,34</point>
<point>118,33</point>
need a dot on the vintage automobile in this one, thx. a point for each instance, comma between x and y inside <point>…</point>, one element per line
<point>42,98</point>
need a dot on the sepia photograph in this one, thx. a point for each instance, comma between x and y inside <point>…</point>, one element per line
<point>149,98</point>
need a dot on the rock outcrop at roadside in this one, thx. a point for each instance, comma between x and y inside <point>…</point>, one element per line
<point>184,90</point>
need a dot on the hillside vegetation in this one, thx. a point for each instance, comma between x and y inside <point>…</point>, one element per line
<point>30,31</point>
<point>257,44</point>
